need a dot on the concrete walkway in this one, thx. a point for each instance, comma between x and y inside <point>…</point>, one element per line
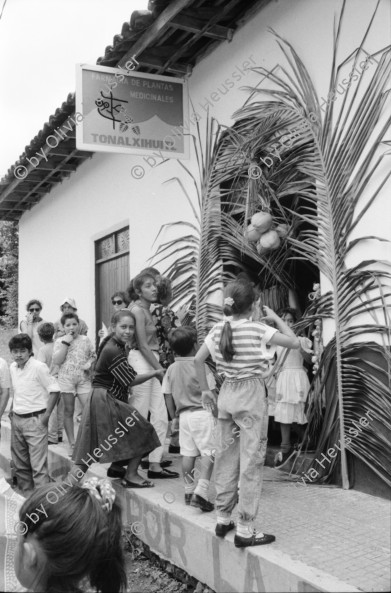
<point>327,539</point>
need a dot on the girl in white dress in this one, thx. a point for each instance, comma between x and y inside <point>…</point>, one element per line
<point>291,389</point>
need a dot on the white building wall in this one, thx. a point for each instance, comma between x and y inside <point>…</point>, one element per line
<point>57,236</point>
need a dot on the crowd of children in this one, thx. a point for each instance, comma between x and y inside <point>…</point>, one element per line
<point>148,369</point>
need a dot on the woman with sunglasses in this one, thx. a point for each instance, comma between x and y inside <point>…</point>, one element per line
<point>32,322</point>
<point>119,300</point>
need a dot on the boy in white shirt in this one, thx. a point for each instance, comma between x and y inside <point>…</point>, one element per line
<point>35,395</point>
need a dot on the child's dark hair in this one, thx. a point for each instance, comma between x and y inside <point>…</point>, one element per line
<point>137,283</point>
<point>150,272</point>
<point>20,341</point>
<point>33,302</point>
<point>69,316</point>
<point>118,315</point>
<point>164,290</point>
<point>291,311</point>
<point>122,295</point>
<point>182,340</point>
<point>79,538</point>
<point>163,284</point>
<point>239,295</point>
<point>46,332</point>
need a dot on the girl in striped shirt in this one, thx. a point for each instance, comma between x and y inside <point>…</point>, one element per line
<point>241,349</point>
<point>109,424</point>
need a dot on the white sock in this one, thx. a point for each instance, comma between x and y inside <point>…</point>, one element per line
<point>223,520</point>
<point>189,488</point>
<point>247,530</point>
<point>202,488</point>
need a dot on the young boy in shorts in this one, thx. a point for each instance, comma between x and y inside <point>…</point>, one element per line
<point>196,425</point>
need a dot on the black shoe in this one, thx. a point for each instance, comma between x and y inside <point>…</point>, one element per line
<point>244,542</point>
<point>164,473</point>
<point>222,530</point>
<point>174,449</point>
<point>116,472</point>
<point>60,439</point>
<point>188,498</point>
<point>201,502</point>
<point>165,463</point>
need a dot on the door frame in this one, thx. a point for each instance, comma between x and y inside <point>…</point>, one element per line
<point>125,223</point>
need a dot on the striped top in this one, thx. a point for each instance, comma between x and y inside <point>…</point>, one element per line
<point>113,372</point>
<point>249,339</point>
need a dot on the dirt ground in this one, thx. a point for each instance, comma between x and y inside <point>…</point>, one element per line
<point>147,573</point>
<point>144,574</point>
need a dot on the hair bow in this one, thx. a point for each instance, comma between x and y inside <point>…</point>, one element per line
<point>229,301</point>
<point>102,490</point>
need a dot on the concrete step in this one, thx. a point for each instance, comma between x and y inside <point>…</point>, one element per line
<point>327,539</point>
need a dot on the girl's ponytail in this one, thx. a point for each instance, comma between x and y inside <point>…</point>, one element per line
<point>239,297</point>
<point>225,345</point>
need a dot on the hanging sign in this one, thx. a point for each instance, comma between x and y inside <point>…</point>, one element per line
<point>131,112</point>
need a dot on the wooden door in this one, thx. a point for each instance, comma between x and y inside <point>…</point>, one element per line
<point>111,272</point>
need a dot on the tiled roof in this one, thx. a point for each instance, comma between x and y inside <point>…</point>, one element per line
<point>169,38</point>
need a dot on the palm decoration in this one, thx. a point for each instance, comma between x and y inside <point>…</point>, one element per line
<point>194,262</point>
<point>317,182</point>
<point>211,250</point>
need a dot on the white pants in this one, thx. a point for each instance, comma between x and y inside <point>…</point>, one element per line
<point>148,397</point>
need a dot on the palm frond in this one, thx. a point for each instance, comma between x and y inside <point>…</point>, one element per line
<point>334,175</point>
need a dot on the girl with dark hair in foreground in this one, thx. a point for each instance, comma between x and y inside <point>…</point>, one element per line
<point>67,533</point>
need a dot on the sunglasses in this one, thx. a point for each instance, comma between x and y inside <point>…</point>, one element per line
<point>34,310</point>
<point>117,302</point>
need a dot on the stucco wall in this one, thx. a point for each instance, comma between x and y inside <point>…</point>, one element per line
<point>57,236</point>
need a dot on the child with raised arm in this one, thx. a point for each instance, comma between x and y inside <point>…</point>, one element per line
<point>291,390</point>
<point>183,396</point>
<point>74,354</point>
<point>239,348</point>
